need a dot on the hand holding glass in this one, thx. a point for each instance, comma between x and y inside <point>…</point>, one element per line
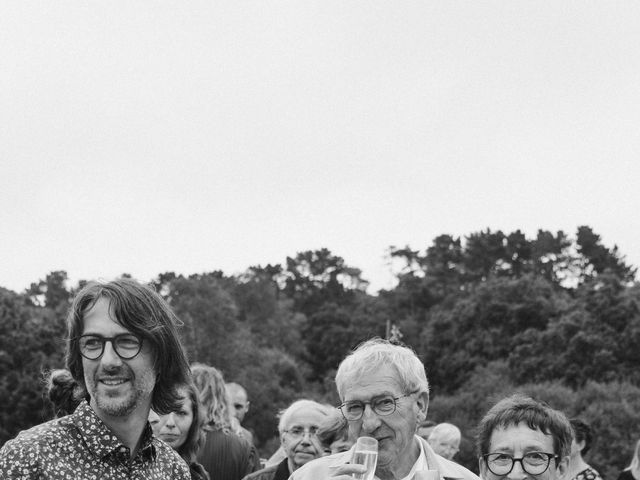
<point>366,453</point>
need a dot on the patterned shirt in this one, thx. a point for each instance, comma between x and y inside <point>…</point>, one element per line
<point>588,474</point>
<point>81,447</point>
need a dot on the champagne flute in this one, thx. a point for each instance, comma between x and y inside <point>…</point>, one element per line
<point>366,453</point>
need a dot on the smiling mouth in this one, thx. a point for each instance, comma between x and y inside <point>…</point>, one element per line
<point>113,382</point>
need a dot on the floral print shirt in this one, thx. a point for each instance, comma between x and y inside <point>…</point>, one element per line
<point>81,447</point>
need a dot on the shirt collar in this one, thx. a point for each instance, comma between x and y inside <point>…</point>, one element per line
<point>420,464</point>
<point>101,441</point>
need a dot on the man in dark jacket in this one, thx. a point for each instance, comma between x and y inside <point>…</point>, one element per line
<point>298,427</point>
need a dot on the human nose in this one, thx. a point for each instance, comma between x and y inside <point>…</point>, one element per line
<point>109,355</point>
<point>171,421</point>
<point>370,419</point>
<point>517,470</point>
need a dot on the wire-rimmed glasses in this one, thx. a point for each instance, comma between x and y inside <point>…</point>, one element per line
<point>382,405</point>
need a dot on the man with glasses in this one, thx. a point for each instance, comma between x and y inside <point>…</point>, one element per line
<point>385,394</point>
<point>522,438</point>
<point>298,426</point>
<point>123,351</point>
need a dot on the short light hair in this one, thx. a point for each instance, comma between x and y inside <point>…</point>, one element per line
<point>286,414</point>
<point>139,309</point>
<point>376,353</point>
<point>333,428</point>
<point>445,432</point>
<point>537,415</point>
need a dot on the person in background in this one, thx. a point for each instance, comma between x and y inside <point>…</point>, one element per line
<point>385,394</point>
<point>579,469</point>
<point>632,472</point>
<point>298,428</point>
<point>334,433</point>
<point>63,392</point>
<point>123,351</point>
<point>182,429</point>
<point>225,455</point>
<point>240,403</point>
<point>424,429</point>
<point>445,440</point>
<point>522,438</point>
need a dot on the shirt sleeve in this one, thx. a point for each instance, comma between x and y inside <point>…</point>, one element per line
<point>20,460</point>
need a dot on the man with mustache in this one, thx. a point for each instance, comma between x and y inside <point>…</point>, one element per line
<point>298,426</point>
<point>384,392</point>
<point>124,353</point>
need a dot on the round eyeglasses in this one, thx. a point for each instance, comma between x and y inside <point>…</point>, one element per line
<point>382,405</point>
<point>533,463</point>
<point>126,345</point>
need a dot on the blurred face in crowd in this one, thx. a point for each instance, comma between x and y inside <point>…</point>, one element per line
<point>174,427</point>
<point>521,442</point>
<point>238,398</point>
<point>299,439</point>
<point>446,448</point>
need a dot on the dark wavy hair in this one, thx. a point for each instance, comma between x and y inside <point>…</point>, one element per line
<point>195,437</point>
<point>536,415</point>
<point>63,391</point>
<point>139,309</point>
<point>582,433</point>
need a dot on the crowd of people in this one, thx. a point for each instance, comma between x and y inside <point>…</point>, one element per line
<point>129,406</point>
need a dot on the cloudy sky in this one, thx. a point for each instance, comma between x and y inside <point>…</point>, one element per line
<point>145,137</point>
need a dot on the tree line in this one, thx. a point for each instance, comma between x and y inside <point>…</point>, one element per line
<point>555,316</point>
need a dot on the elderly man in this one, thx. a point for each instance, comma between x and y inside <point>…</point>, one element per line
<point>523,438</point>
<point>298,426</point>
<point>445,440</point>
<point>123,350</point>
<point>385,395</point>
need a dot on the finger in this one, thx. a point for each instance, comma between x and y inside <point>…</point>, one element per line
<point>346,470</point>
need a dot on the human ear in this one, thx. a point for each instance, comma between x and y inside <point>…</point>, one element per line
<point>482,467</point>
<point>563,465</point>
<point>422,403</point>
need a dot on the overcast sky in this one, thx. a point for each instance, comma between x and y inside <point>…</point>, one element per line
<point>145,137</point>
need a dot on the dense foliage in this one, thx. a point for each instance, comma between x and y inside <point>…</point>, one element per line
<point>490,314</point>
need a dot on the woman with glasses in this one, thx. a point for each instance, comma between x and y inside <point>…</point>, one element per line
<point>522,438</point>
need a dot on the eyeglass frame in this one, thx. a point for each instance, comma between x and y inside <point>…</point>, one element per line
<point>113,341</point>
<point>305,431</point>
<point>370,403</point>
<point>550,456</point>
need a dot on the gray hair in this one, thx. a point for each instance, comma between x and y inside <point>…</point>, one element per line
<point>376,353</point>
<point>446,432</point>
<point>286,414</point>
<point>535,414</point>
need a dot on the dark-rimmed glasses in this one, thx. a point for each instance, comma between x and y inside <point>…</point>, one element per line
<point>382,405</point>
<point>533,463</point>
<point>126,345</point>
